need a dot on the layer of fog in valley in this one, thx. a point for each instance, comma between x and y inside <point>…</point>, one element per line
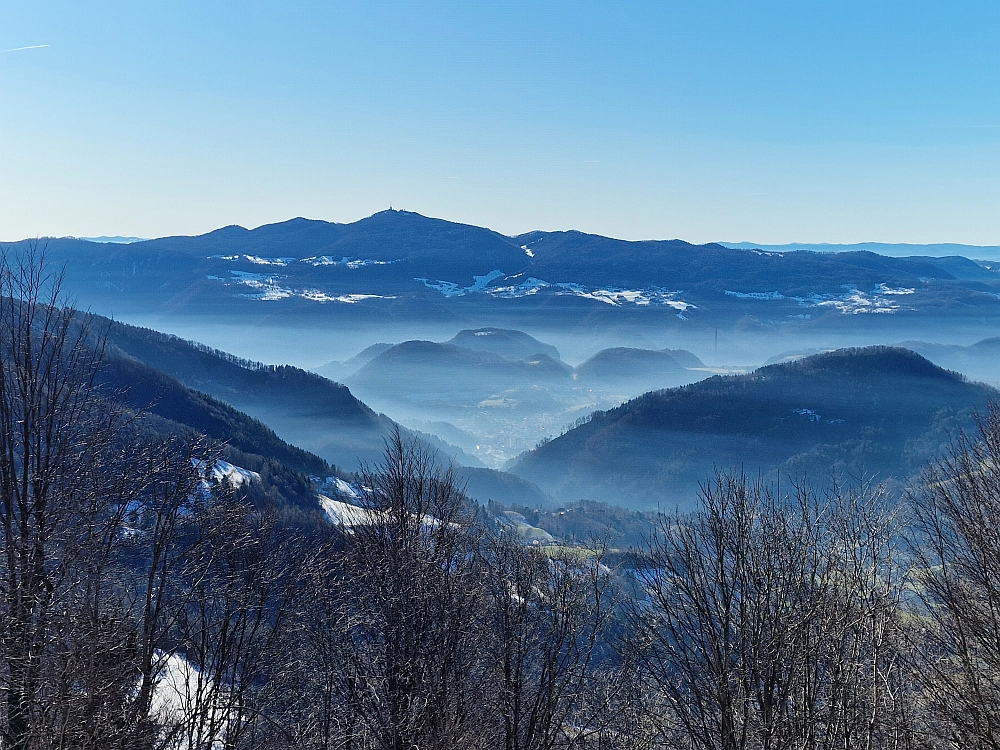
<point>494,402</point>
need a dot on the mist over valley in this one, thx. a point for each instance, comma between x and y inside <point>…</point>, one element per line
<point>487,346</point>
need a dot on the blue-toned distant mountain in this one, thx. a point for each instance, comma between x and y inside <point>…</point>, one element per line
<point>499,344</point>
<point>980,360</point>
<point>498,391</point>
<point>435,373</point>
<point>397,265</point>
<point>623,363</point>
<point>117,239</point>
<point>893,249</point>
<point>878,411</point>
<point>504,342</point>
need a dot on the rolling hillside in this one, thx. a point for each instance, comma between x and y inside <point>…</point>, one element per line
<point>655,368</point>
<point>425,370</point>
<point>209,390</point>
<point>306,409</point>
<point>875,411</point>
<point>170,408</point>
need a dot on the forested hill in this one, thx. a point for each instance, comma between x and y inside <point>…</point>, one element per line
<point>305,408</point>
<point>879,411</point>
<point>169,408</point>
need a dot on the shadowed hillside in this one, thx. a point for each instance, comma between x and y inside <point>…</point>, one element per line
<point>308,410</point>
<point>505,342</point>
<point>878,410</point>
<point>649,367</point>
<point>305,408</point>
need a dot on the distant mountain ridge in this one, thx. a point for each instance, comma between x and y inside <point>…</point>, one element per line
<point>980,360</point>
<point>117,239</point>
<point>878,410</point>
<point>498,391</point>
<point>894,249</point>
<point>505,342</point>
<point>399,264</point>
<point>429,370</point>
<point>513,356</point>
<point>284,470</point>
<point>626,363</point>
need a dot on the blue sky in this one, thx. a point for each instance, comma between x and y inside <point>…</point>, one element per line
<point>705,120</point>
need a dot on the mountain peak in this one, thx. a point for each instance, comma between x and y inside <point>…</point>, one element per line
<point>503,341</point>
<point>870,361</point>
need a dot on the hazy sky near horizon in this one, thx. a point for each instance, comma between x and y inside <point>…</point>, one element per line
<point>802,120</point>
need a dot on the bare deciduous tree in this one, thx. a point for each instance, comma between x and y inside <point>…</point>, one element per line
<point>78,480</point>
<point>422,629</point>
<point>550,611</point>
<point>771,620</point>
<point>54,432</point>
<point>415,611</point>
<point>957,546</point>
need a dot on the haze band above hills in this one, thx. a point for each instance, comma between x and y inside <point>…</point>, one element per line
<point>878,412</point>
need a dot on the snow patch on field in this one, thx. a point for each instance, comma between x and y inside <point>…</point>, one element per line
<point>344,488</point>
<point>885,289</point>
<point>856,302</point>
<point>181,691</point>
<point>755,295</point>
<point>347,261</point>
<point>317,296</point>
<point>268,289</point>
<point>351,516</point>
<point>614,296</point>
<point>481,282</point>
<point>451,289</point>
<point>638,297</point>
<point>265,285</point>
<point>881,300</point>
<point>529,286</point>
<point>255,259</point>
<point>268,261</point>
<point>316,260</point>
<point>447,288</point>
<point>347,515</point>
<point>237,476</point>
<point>249,278</point>
<point>223,471</point>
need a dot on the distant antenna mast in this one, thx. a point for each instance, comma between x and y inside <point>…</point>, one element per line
<point>716,345</point>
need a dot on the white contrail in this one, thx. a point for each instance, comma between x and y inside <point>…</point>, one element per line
<point>33,46</point>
